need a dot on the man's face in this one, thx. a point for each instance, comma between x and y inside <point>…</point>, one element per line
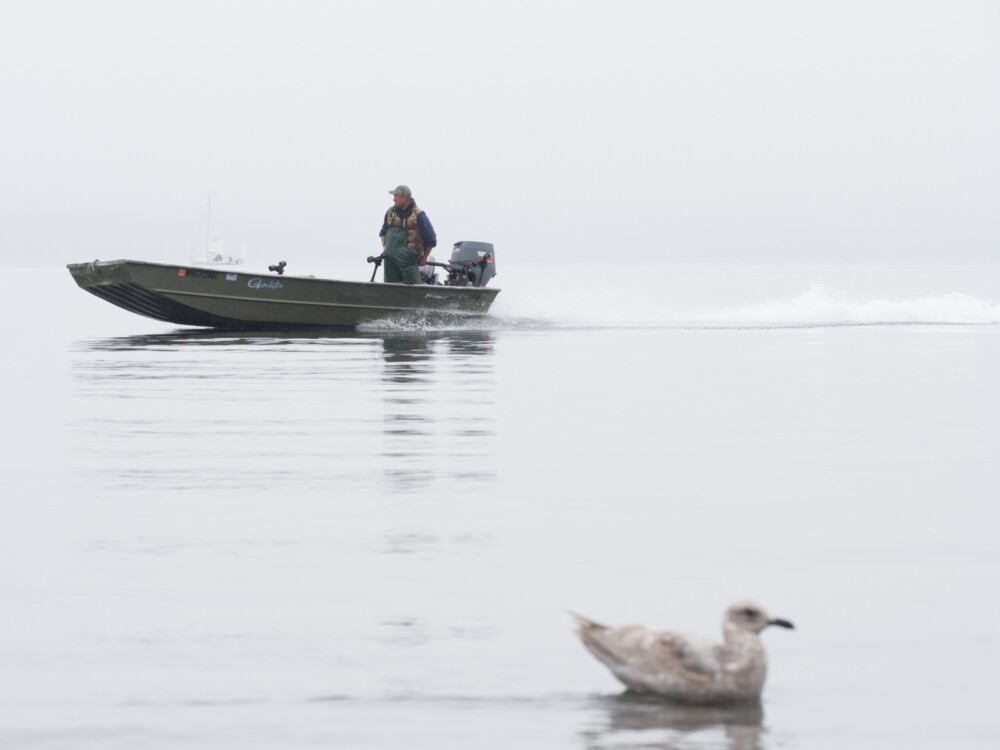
<point>401,201</point>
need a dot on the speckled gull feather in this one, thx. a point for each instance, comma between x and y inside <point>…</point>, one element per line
<point>687,669</point>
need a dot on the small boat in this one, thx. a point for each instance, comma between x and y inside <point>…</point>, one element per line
<point>214,251</point>
<point>236,300</point>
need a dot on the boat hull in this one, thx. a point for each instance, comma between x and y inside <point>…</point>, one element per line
<point>236,300</point>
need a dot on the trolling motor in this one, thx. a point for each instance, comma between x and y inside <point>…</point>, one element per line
<point>471,264</point>
<point>279,268</point>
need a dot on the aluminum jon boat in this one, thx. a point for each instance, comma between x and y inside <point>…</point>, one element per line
<point>230,298</point>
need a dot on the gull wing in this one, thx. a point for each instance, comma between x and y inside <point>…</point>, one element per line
<point>646,660</point>
<point>694,657</point>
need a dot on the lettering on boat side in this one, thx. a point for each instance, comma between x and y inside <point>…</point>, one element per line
<point>197,273</point>
<point>230,277</point>
<point>259,283</point>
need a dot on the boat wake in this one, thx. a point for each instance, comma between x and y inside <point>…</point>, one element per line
<point>821,307</point>
<point>817,307</point>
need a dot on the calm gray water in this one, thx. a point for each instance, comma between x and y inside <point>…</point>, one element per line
<point>371,540</point>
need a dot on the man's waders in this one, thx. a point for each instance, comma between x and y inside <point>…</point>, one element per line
<point>401,262</point>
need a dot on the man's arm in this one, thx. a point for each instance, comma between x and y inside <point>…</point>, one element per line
<point>428,234</point>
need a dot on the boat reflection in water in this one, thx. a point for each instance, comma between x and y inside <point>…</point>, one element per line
<point>437,394</point>
<point>385,412</point>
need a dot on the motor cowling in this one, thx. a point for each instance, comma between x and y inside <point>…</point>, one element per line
<point>472,264</point>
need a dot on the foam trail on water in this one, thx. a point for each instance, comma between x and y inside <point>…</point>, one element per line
<point>819,306</point>
<point>816,307</point>
<point>748,296</point>
<point>582,297</point>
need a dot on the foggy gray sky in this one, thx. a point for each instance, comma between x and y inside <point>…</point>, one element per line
<point>671,131</point>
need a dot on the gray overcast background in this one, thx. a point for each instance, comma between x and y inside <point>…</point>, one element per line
<point>673,131</point>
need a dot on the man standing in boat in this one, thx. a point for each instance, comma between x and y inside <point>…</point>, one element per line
<point>407,238</point>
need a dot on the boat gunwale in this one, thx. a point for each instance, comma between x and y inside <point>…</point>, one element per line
<point>280,277</point>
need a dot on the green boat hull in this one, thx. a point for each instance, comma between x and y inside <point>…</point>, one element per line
<point>236,300</point>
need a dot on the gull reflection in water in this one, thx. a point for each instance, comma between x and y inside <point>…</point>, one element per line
<point>636,721</point>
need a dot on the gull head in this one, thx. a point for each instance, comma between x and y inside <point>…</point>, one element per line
<point>750,617</point>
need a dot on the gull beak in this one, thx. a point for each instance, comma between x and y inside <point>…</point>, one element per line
<point>782,623</point>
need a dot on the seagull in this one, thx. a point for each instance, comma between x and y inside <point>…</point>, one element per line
<point>683,668</point>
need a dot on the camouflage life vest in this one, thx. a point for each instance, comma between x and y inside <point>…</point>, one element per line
<point>408,223</point>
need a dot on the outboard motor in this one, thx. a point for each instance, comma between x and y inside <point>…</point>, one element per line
<point>471,264</point>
